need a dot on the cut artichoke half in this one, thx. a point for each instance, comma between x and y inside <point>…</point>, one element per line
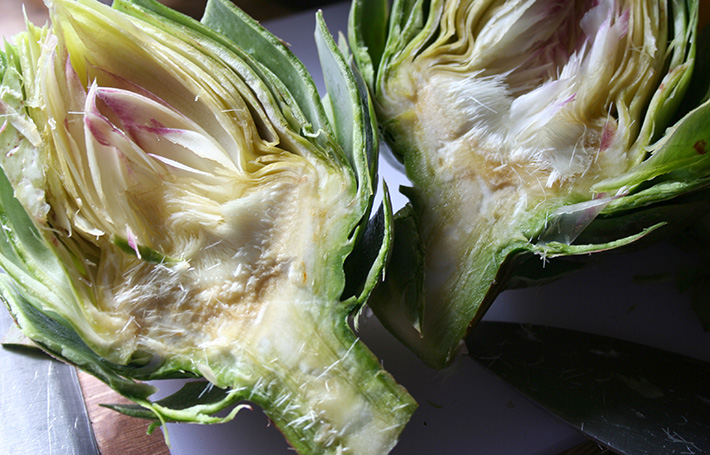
<point>525,127</point>
<point>177,201</point>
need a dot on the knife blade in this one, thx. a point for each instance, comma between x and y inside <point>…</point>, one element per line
<point>41,406</point>
<point>629,398</point>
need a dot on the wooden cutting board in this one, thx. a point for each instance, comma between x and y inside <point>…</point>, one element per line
<point>115,433</point>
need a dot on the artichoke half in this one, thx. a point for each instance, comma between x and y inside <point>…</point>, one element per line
<point>528,128</point>
<point>178,202</point>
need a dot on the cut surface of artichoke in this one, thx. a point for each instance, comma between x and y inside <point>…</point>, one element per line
<point>514,120</point>
<point>190,218</point>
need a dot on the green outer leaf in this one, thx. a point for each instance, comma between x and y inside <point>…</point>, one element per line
<point>671,91</point>
<point>364,268</point>
<point>225,18</point>
<point>352,116</point>
<point>196,401</point>
<point>409,25</point>
<point>682,154</point>
<point>699,90</point>
<point>558,249</point>
<point>368,37</point>
<point>662,192</point>
<point>401,296</point>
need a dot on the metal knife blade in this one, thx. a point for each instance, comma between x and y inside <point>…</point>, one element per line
<point>41,406</point>
<point>630,398</point>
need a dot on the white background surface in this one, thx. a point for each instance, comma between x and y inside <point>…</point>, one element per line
<point>465,410</point>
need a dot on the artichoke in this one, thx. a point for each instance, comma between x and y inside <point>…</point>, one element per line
<point>528,129</point>
<point>177,201</point>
